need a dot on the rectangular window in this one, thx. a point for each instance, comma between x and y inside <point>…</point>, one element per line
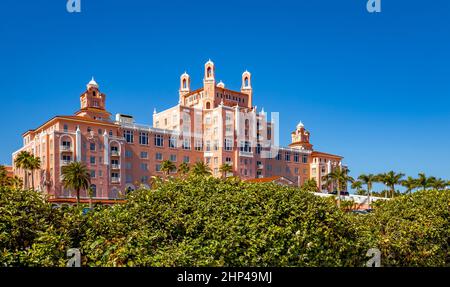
<point>92,160</point>
<point>245,146</point>
<point>228,144</point>
<point>159,156</point>
<point>128,154</point>
<point>296,157</point>
<point>66,145</point>
<point>144,166</point>
<point>159,140</point>
<point>186,143</point>
<point>186,159</point>
<point>278,156</point>
<point>287,156</point>
<point>129,136</point>
<point>158,167</point>
<point>92,173</point>
<point>128,165</point>
<point>208,145</point>
<point>143,138</point>
<point>129,178</point>
<point>144,155</point>
<point>173,157</point>
<point>100,173</point>
<point>305,158</point>
<point>92,146</point>
<point>173,142</point>
<point>198,145</point>
<point>216,145</point>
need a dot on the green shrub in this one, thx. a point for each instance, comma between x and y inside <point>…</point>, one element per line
<point>211,222</point>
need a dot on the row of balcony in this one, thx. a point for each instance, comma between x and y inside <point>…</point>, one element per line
<point>68,148</point>
<point>67,162</point>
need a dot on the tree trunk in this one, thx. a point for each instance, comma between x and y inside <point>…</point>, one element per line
<point>32,179</point>
<point>25,178</point>
<point>338,187</point>
<point>78,196</point>
<point>393,191</point>
<point>369,194</point>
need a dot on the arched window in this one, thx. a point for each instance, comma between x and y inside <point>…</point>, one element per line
<point>184,84</point>
<point>246,82</point>
<point>208,105</point>
<point>94,190</point>
<point>208,72</point>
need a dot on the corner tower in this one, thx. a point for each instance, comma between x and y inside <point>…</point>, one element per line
<point>247,87</point>
<point>300,138</point>
<point>93,103</point>
<point>209,85</point>
<point>185,85</point>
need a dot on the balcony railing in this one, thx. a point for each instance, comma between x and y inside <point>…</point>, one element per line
<point>260,166</point>
<point>115,153</point>
<point>115,179</point>
<point>65,162</point>
<point>246,153</point>
<point>65,148</point>
<point>115,166</point>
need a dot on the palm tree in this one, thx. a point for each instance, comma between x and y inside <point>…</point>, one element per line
<point>225,169</point>
<point>358,186</point>
<point>35,164</point>
<point>167,167</point>
<point>391,179</point>
<point>438,184</point>
<point>76,176</point>
<point>339,177</point>
<point>201,169</point>
<point>368,180</point>
<point>410,184</point>
<point>423,181</point>
<point>22,161</point>
<point>183,169</point>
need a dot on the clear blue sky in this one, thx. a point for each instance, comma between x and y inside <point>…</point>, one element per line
<point>374,88</point>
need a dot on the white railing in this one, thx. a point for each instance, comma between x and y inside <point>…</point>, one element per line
<point>246,153</point>
<point>115,153</point>
<point>65,148</point>
<point>115,179</point>
<point>115,166</point>
<point>65,162</point>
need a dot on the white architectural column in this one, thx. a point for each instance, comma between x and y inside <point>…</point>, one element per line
<point>78,140</point>
<point>106,143</point>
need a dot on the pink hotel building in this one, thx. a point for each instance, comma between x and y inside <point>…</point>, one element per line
<point>211,124</point>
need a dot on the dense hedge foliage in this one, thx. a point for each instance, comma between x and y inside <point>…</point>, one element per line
<point>212,222</point>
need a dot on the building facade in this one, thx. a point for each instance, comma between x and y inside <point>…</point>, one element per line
<point>212,124</point>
